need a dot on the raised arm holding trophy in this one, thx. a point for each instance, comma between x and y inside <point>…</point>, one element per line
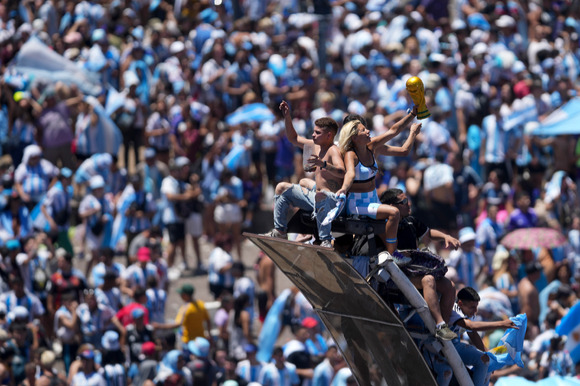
<point>416,90</point>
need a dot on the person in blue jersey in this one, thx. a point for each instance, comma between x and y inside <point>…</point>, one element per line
<point>21,126</point>
<point>33,176</point>
<point>88,374</point>
<point>176,193</point>
<point>15,221</point>
<point>96,212</point>
<point>249,369</point>
<point>139,209</point>
<point>55,207</point>
<point>324,372</point>
<point>158,128</point>
<point>97,164</point>
<point>278,372</point>
<point>153,171</point>
<point>462,320</point>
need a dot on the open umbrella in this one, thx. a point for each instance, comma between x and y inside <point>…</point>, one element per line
<point>528,238</point>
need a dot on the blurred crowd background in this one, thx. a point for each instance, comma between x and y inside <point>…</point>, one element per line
<point>129,127</point>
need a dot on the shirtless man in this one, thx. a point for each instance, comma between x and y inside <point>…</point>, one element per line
<point>329,173</point>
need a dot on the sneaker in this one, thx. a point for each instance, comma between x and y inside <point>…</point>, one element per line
<point>326,243</point>
<point>445,333</point>
<point>275,233</point>
<point>397,258</point>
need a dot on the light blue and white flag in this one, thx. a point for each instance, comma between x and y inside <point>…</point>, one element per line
<point>510,351</point>
<point>570,326</point>
<point>109,137</point>
<point>254,112</point>
<point>35,60</point>
<point>562,121</point>
<point>271,327</point>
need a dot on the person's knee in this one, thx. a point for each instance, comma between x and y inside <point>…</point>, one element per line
<point>282,187</point>
<point>428,281</point>
<point>444,285</point>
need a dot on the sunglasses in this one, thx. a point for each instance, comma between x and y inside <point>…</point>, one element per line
<point>404,201</point>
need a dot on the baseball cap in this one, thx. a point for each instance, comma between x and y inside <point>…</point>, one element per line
<point>199,347</point>
<point>249,348</point>
<point>309,322</point>
<point>466,234</point>
<point>144,254</point>
<point>20,312</point>
<point>137,313</point>
<point>97,182</point>
<point>181,161</point>
<point>187,289</point>
<point>87,354</point>
<point>148,348</point>
<point>66,172</point>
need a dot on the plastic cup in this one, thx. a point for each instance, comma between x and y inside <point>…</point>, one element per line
<point>307,151</point>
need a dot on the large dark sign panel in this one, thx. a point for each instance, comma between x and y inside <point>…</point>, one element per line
<point>375,344</point>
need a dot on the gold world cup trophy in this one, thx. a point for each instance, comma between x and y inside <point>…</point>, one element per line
<point>417,92</point>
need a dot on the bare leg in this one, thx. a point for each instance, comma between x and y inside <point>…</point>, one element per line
<point>170,254</point>
<point>447,290</point>
<point>392,215</point>
<point>427,284</point>
<point>236,229</point>
<point>197,250</point>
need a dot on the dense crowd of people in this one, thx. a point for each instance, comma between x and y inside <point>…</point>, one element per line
<point>192,90</point>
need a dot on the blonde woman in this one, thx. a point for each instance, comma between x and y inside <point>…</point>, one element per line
<point>359,151</point>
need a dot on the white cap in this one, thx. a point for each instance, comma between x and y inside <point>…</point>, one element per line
<point>505,21</point>
<point>20,312</point>
<point>176,47</point>
<point>97,182</point>
<point>466,234</point>
<point>479,49</point>
<point>458,24</point>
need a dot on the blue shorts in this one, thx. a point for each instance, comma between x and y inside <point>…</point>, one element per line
<point>363,204</point>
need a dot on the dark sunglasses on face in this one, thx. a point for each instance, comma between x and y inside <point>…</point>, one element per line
<point>404,201</point>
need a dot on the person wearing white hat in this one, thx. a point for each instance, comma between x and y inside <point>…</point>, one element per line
<point>113,360</point>
<point>33,176</point>
<point>96,212</point>
<point>468,261</point>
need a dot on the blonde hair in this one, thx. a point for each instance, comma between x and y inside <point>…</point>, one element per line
<point>348,131</point>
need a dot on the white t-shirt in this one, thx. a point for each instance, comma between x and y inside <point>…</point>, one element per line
<point>169,185</point>
<point>93,379</point>
<point>218,259</point>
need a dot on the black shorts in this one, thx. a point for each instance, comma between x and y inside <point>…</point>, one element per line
<point>176,232</point>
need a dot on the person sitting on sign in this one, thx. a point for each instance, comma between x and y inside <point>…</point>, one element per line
<point>359,151</point>
<point>462,320</point>
<point>329,172</point>
<point>409,232</point>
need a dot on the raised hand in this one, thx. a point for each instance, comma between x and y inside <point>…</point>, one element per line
<point>416,128</point>
<point>285,108</point>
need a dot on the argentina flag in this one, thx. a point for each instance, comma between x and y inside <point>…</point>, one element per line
<point>35,60</point>
<point>510,351</point>
<point>254,112</point>
<point>570,326</point>
<point>563,121</point>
